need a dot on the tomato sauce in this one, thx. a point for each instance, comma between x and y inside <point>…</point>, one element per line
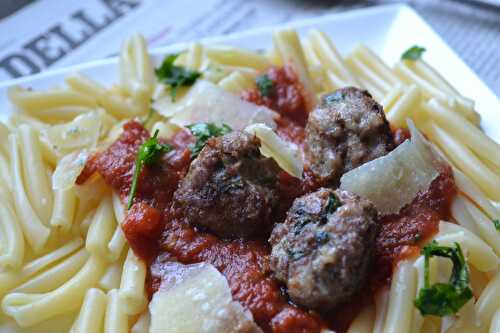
<point>157,231</point>
<point>152,228</point>
<point>401,235</point>
<point>285,95</point>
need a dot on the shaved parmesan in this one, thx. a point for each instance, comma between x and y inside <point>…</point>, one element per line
<point>393,181</point>
<point>209,103</point>
<point>82,132</point>
<point>285,154</point>
<point>197,298</point>
<point>68,169</point>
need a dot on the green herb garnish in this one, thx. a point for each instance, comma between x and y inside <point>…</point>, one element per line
<point>300,224</point>
<point>496,222</point>
<point>175,76</point>
<point>264,84</point>
<point>332,204</point>
<point>322,237</point>
<point>413,53</point>
<point>444,299</point>
<point>295,254</point>
<point>334,97</point>
<point>203,132</point>
<point>149,153</point>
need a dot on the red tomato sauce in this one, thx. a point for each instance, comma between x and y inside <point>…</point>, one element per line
<point>401,235</point>
<point>284,97</point>
<point>152,229</point>
<point>157,232</point>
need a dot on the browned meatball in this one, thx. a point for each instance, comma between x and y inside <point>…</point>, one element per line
<point>323,249</point>
<point>345,131</point>
<point>230,188</point>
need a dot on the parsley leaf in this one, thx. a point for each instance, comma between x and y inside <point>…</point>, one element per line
<point>203,132</point>
<point>496,222</point>
<point>443,299</point>
<point>264,84</point>
<point>413,53</point>
<point>149,153</point>
<point>332,204</point>
<point>175,76</point>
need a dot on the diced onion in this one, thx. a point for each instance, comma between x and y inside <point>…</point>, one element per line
<point>286,155</point>
<point>197,298</point>
<point>207,102</point>
<point>392,181</point>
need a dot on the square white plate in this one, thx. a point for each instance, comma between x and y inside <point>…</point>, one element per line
<point>388,30</point>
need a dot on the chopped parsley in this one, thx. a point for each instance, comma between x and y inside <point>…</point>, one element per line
<point>264,85</point>
<point>296,254</point>
<point>232,184</point>
<point>332,204</point>
<point>148,154</point>
<point>174,76</point>
<point>496,222</point>
<point>413,53</point>
<point>444,299</point>
<point>303,220</point>
<point>204,131</point>
<point>322,237</point>
<point>337,96</point>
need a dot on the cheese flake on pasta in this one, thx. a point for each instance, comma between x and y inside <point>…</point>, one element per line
<point>285,154</point>
<point>392,181</point>
<point>82,132</point>
<point>198,299</point>
<point>209,103</point>
<point>68,169</point>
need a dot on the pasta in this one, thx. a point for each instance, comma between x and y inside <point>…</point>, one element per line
<point>65,263</point>
<point>91,316</point>
<point>115,319</point>
<point>132,292</point>
<point>403,289</point>
<point>34,230</point>
<point>12,252</point>
<point>29,309</point>
<point>101,229</point>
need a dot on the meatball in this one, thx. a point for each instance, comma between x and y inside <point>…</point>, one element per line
<point>322,251</point>
<point>230,188</point>
<point>345,131</point>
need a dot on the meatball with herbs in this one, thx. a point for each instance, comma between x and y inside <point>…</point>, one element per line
<point>322,251</point>
<point>346,130</point>
<point>230,188</point>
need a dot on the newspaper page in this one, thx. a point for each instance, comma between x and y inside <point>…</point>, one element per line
<point>51,34</point>
<point>48,34</point>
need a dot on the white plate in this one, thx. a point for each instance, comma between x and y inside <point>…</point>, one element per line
<point>388,30</point>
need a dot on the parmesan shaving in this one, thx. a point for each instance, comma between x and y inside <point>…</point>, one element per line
<point>197,298</point>
<point>285,154</point>
<point>82,132</point>
<point>209,103</point>
<point>68,169</point>
<point>393,181</point>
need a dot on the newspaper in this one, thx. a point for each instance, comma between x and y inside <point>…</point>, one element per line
<point>51,33</point>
